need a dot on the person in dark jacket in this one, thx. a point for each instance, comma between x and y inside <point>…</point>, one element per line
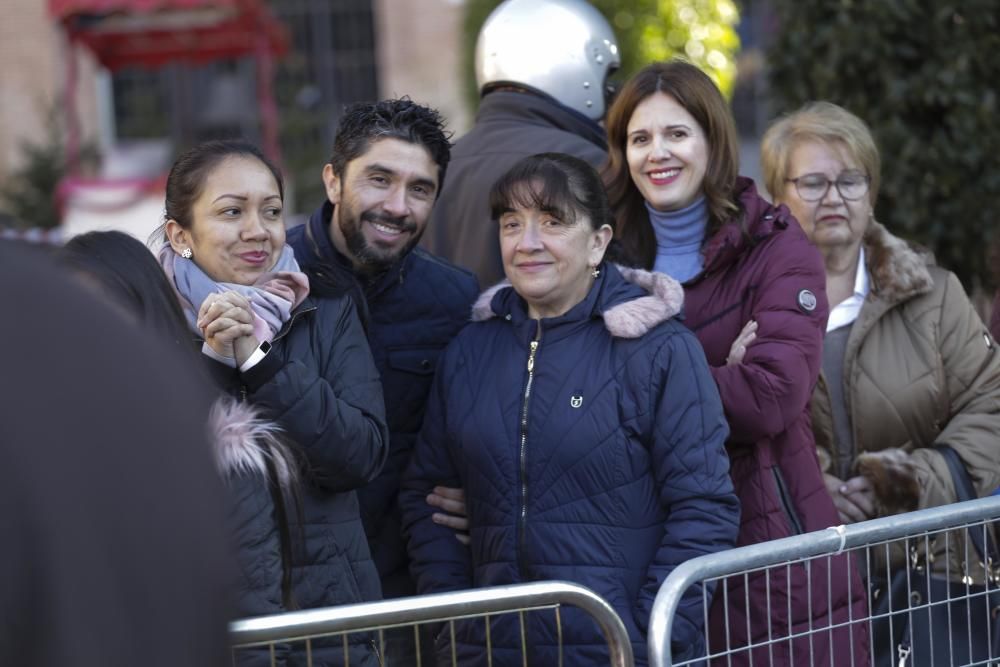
<point>389,159</point>
<point>543,90</point>
<point>257,467</point>
<point>755,297</point>
<point>608,473</point>
<point>114,552</point>
<point>303,362</point>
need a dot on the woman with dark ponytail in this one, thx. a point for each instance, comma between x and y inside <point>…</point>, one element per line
<point>301,363</point>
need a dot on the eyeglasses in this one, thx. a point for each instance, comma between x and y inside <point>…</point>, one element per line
<point>852,185</point>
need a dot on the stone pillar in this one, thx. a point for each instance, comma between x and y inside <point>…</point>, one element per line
<point>419,49</point>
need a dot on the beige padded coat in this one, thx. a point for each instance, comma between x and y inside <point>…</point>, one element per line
<point>920,369</point>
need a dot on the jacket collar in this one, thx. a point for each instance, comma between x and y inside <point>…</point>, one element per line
<point>897,269</point>
<point>630,301</point>
<point>322,249</point>
<point>758,217</point>
<point>536,108</point>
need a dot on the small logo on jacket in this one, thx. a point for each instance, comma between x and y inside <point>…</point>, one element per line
<point>576,401</point>
<point>807,301</point>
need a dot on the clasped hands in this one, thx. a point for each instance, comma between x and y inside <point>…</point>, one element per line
<point>853,498</point>
<point>226,322</point>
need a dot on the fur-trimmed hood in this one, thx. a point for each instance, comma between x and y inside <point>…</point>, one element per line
<point>244,442</point>
<point>897,268</point>
<point>628,319</point>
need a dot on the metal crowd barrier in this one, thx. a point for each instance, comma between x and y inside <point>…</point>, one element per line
<point>923,623</point>
<point>411,612</point>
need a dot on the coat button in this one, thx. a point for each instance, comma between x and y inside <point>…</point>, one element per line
<point>425,364</point>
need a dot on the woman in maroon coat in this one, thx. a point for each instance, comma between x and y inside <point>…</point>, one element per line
<point>755,297</point>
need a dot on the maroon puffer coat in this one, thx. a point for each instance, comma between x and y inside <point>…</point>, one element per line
<point>775,277</point>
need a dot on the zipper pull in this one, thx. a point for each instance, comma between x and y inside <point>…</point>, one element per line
<point>904,654</point>
<point>243,393</point>
<point>531,357</point>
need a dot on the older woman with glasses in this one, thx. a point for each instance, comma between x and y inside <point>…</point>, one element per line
<point>907,363</point>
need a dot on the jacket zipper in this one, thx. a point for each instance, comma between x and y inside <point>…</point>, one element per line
<point>288,326</point>
<point>786,503</point>
<point>523,519</point>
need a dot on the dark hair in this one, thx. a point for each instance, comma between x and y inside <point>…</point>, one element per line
<point>700,97</point>
<point>128,273</point>
<point>403,119</point>
<point>560,184</point>
<point>187,176</point>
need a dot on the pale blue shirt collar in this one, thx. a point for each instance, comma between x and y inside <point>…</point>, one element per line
<point>847,311</point>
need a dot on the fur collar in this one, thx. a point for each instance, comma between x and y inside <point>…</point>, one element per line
<point>243,442</point>
<point>629,319</point>
<point>898,270</point>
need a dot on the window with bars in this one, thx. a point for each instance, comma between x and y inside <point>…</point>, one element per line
<point>331,63</point>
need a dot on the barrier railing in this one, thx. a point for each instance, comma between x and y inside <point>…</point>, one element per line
<point>378,617</point>
<point>920,609</point>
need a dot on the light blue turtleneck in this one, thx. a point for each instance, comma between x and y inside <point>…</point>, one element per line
<point>679,236</point>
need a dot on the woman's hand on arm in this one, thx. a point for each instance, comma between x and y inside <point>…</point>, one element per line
<point>771,385</point>
<point>455,515</point>
<point>738,350</point>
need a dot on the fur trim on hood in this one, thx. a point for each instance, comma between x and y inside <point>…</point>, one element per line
<point>898,269</point>
<point>243,442</point>
<point>631,319</point>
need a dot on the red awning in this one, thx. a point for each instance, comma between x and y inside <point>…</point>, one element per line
<point>152,33</point>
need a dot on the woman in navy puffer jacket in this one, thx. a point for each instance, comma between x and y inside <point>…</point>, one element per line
<point>584,425</point>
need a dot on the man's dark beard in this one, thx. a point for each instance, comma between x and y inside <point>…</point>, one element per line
<point>370,258</point>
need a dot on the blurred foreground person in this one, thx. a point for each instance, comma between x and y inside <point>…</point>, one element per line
<point>542,69</point>
<point>595,451</point>
<point>114,549</point>
<point>258,468</point>
<point>303,362</point>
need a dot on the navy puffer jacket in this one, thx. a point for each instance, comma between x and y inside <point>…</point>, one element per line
<point>591,449</point>
<point>320,386</point>
<point>414,309</point>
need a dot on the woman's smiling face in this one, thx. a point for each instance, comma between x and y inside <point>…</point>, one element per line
<point>667,153</point>
<point>549,259</point>
<point>237,232</point>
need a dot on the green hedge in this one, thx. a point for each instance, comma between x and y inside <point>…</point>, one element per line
<point>925,76</point>
<point>702,30</point>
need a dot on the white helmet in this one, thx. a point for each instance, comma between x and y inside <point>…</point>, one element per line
<point>563,48</point>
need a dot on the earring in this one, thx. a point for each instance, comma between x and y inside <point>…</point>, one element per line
<point>596,272</point>
<point>186,253</point>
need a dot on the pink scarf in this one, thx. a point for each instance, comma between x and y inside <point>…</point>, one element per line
<point>272,297</point>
